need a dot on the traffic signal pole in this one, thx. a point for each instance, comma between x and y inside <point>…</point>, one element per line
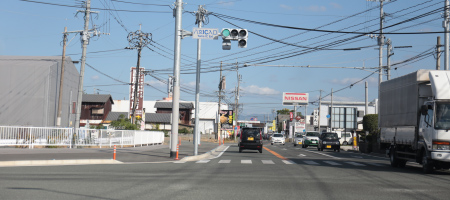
<point>200,18</point>
<point>176,80</point>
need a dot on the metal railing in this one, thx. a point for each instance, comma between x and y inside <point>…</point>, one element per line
<point>50,136</point>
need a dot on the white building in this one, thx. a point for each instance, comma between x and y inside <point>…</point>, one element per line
<point>345,115</point>
<point>207,114</point>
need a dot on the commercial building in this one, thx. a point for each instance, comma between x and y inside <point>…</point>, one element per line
<point>29,91</point>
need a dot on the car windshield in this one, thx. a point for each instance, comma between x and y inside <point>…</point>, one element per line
<point>277,135</point>
<point>442,116</point>
<point>312,134</point>
<point>299,135</point>
<point>330,136</point>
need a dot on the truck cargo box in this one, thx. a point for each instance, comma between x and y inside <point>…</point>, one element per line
<point>401,98</point>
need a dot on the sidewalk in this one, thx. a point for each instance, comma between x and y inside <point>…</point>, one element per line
<point>66,156</point>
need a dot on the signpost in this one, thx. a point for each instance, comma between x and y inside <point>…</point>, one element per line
<point>205,33</point>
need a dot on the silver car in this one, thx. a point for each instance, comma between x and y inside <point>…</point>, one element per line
<point>277,138</point>
<point>298,139</point>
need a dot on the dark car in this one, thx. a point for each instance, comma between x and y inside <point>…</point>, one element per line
<point>329,141</point>
<point>250,138</point>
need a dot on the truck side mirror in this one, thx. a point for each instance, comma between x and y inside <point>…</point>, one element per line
<point>424,109</point>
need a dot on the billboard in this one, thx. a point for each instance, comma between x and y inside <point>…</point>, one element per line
<point>140,91</point>
<point>226,119</point>
<point>290,98</point>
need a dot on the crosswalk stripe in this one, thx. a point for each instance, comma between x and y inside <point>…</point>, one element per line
<point>355,164</point>
<point>224,161</point>
<point>246,161</point>
<point>288,162</point>
<point>203,161</point>
<point>331,163</point>
<point>267,162</point>
<point>179,162</point>
<point>309,162</point>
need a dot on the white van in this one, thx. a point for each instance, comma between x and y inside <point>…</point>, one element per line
<point>345,138</point>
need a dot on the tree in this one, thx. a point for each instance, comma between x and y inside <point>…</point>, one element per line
<point>286,111</point>
<point>370,123</point>
<point>124,124</point>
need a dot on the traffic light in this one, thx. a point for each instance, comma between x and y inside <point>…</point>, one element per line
<point>239,35</point>
<point>242,38</point>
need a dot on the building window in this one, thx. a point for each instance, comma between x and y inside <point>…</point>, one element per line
<point>343,118</point>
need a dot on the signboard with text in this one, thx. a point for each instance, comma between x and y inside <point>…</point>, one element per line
<point>290,98</point>
<point>140,91</point>
<point>205,33</point>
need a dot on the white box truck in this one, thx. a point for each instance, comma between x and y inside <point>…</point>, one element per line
<point>415,119</point>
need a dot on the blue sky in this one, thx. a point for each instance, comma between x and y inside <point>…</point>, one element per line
<point>35,29</point>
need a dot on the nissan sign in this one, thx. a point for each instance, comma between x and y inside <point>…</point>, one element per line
<point>290,98</point>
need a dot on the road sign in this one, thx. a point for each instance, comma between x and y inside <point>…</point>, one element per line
<point>298,118</point>
<point>205,33</point>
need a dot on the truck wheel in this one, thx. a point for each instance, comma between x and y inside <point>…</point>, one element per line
<point>295,145</point>
<point>427,164</point>
<point>240,150</point>
<point>260,150</point>
<point>392,158</point>
<point>401,163</point>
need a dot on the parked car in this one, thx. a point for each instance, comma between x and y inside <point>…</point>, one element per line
<point>298,139</point>
<point>345,138</point>
<point>329,141</point>
<point>277,138</point>
<point>250,138</point>
<point>311,138</point>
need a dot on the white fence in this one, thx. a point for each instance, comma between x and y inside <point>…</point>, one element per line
<point>48,136</point>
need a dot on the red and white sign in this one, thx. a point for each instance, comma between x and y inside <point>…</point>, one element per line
<point>290,98</point>
<point>291,116</point>
<point>140,91</point>
<point>298,118</point>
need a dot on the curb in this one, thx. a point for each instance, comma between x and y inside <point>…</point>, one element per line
<point>24,163</point>
<point>203,156</point>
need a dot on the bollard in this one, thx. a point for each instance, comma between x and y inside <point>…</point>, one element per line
<point>178,148</point>
<point>114,156</point>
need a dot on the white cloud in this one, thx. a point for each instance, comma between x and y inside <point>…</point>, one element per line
<point>95,77</point>
<point>253,89</point>
<point>156,83</point>
<point>226,3</point>
<point>286,7</point>
<point>315,8</point>
<point>349,81</point>
<point>335,5</point>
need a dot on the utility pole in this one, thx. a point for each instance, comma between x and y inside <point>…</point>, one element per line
<point>137,40</point>
<point>331,111</point>
<point>176,74</point>
<point>438,53</point>
<point>85,38</point>
<point>380,44</point>
<point>61,82</point>
<point>367,100</point>
<point>388,68</point>
<point>239,78</point>
<point>320,105</point>
<point>446,30</point>
<point>220,97</point>
<point>200,18</point>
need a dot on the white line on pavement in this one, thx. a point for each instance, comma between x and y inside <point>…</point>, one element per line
<point>267,162</point>
<point>246,161</point>
<point>323,154</point>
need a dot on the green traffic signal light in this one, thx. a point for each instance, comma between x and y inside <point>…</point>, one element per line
<point>226,32</point>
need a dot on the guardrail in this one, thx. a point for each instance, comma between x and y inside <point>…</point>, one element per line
<point>50,136</point>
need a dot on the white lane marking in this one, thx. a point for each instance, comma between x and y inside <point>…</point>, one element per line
<point>179,162</point>
<point>246,161</point>
<point>284,149</point>
<point>355,164</point>
<point>331,163</point>
<point>224,161</point>
<point>375,164</point>
<point>288,162</point>
<point>267,162</point>
<point>309,162</point>
<point>203,161</point>
<point>302,155</point>
<point>323,154</point>
<point>357,156</point>
<point>223,151</point>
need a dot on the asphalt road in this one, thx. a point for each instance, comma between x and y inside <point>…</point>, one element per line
<point>280,172</point>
